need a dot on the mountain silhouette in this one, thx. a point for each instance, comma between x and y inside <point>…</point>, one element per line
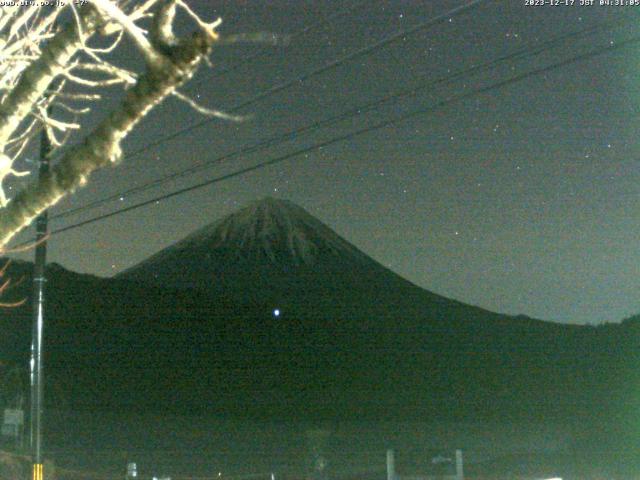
<point>269,313</point>
<point>270,232</point>
<point>270,247</point>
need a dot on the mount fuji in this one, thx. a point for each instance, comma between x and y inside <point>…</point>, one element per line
<point>268,312</point>
<point>271,245</point>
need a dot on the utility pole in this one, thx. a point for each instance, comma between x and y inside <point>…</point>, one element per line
<point>391,465</point>
<point>35,437</point>
<point>459,467</point>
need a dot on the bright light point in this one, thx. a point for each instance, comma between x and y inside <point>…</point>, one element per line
<point>276,313</point>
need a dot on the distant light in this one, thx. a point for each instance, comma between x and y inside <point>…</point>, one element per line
<point>276,313</point>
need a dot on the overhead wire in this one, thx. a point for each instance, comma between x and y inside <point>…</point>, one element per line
<point>462,9</point>
<point>443,103</point>
<point>524,52</point>
<point>459,10</point>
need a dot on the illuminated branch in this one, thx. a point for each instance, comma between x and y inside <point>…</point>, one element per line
<point>167,71</point>
<point>130,28</point>
<point>207,111</point>
<point>35,80</point>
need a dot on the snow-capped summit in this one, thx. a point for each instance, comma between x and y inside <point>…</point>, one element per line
<point>272,230</point>
<point>270,236</point>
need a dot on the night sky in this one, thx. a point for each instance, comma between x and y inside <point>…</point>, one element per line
<point>521,200</point>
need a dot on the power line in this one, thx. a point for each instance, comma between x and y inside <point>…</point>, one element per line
<point>528,51</point>
<point>466,8</point>
<point>283,86</point>
<point>377,126</point>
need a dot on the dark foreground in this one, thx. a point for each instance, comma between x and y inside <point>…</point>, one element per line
<point>183,446</point>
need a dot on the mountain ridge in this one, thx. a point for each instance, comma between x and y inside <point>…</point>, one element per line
<point>344,341</point>
<point>271,243</point>
<point>267,233</point>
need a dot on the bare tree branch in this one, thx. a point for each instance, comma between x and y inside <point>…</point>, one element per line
<point>169,70</point>
<point>38,76</point>
<point>130,28</point>
<point>207,111</point>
